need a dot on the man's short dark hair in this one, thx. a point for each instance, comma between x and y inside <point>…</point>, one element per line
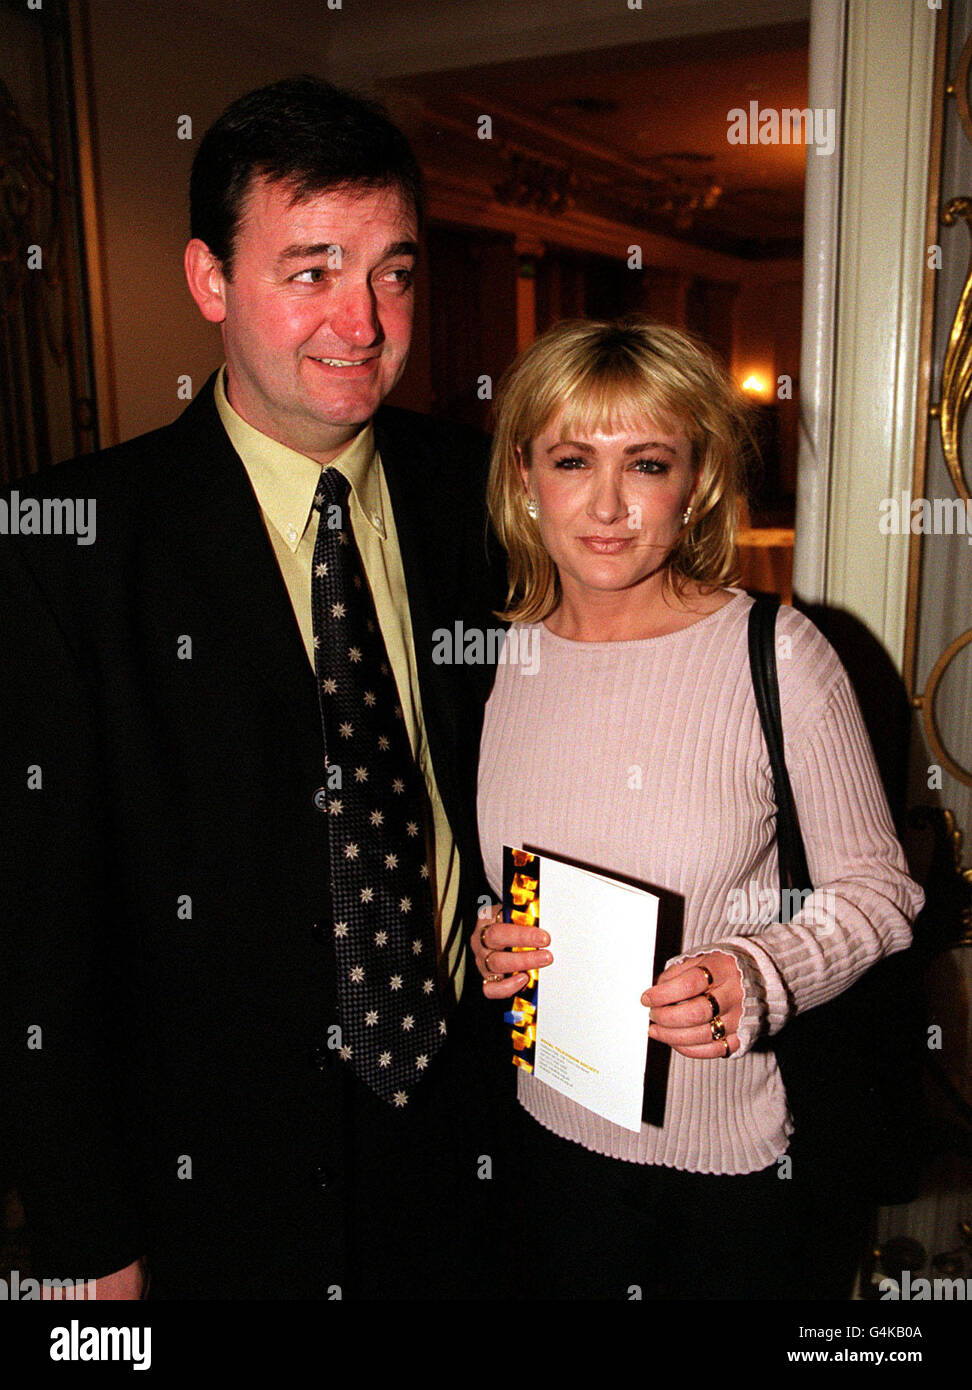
<point>303,132</point>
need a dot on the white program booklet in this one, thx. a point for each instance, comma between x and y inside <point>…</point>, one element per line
<point>591,1026</point>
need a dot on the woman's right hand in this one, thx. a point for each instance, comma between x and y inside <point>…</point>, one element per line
<point>505,972</point>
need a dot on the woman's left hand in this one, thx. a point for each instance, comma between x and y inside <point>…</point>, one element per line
<point>681,1005</point>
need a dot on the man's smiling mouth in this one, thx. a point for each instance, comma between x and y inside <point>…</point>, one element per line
<point>343,361</point>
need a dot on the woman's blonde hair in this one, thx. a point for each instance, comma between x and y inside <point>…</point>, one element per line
<point>613,376</point>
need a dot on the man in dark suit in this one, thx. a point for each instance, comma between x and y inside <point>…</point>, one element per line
<point>190,1084</point>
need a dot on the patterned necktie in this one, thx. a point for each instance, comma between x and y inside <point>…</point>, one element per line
<point>384,935</point>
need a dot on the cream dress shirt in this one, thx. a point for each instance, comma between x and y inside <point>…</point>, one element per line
<point>285,482</point>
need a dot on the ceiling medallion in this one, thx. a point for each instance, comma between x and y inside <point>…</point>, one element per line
<point>533,183</point>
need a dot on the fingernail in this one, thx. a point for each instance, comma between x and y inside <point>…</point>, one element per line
<point>546,957</point>
<point>544,939</point>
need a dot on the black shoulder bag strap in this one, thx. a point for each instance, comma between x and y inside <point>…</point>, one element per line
<point>794,872</point>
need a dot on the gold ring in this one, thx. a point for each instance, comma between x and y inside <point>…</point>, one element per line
<point>491,979</point>
<point>728,1051</point>
<point>487,964</point>
<point>482,934</point>
<point>718,1029</point>
<point>708,975</point>
<point>713,1003</point>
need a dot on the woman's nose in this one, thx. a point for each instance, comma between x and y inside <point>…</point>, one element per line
<point>607,502</point>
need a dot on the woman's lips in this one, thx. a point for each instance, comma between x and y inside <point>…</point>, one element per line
<point>606,545</point>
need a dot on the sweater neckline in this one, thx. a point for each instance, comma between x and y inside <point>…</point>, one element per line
<point>575,644</point>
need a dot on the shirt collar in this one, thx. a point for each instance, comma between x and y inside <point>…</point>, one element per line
<point>285,481</point>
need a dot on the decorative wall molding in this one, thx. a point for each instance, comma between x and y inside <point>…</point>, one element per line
<point>47,406</point>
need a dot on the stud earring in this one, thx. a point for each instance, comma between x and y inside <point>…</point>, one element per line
<point>532,507</point>
<point>685,515</point>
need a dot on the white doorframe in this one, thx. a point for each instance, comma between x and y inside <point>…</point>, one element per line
<point>873,60</point>
<point>828,19</point>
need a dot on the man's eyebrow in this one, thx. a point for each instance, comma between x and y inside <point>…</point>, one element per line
<point>401,248</point>
<point>306,251</point>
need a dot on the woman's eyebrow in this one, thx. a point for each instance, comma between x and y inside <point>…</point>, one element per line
<point>630,449</point>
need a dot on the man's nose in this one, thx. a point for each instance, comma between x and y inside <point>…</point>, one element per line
<point>354,314</point>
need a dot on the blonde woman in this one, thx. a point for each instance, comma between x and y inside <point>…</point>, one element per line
<point>615,489</point>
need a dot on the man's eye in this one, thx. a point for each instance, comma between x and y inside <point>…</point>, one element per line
<point>401,276</point>
<point>312,276</point>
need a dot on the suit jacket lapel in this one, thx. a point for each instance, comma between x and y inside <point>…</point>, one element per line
<point>228,562</point>
<point>414,475</point>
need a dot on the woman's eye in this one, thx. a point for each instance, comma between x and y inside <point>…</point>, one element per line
<point>647,466</point>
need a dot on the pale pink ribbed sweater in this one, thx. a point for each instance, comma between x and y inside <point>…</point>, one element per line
<point>646,758</point>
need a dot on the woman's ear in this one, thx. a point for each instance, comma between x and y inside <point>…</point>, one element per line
<point>697,478</point>
<point>524,468</point>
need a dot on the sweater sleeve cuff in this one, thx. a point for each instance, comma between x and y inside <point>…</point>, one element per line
<point>776,1005</point>
<point>764,1008</point>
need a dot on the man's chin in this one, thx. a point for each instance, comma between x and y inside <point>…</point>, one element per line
<point>350,420</point>
<point>323,436</point>
<point>346,402</point>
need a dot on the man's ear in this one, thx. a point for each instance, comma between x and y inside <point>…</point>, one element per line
<point>207,283</point>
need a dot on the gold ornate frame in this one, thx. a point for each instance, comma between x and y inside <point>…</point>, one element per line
<point>949,412</point>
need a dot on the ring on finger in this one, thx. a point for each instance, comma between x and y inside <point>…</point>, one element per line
<point>718,1029</point>
<point>728,1051</point>
<point>482,936</point>
<point>708,975</point>
<point>713,1003</point>
<point>491,976</point>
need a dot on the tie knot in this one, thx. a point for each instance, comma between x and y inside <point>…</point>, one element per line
<point>333,487</point>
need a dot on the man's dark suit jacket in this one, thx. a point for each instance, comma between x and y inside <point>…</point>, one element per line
<point>165,900</point>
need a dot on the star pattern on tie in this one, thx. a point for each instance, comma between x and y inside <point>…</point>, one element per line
<point>384,927</point>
